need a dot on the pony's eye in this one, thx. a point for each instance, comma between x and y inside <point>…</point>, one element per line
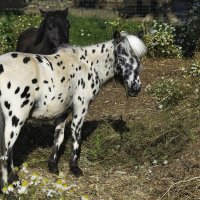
<point>121,59</point>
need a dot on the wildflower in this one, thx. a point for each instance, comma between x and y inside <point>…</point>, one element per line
<point>16,169</point>
<point>165,162</point>
<point>84,197</point>
<point>22,190</point>
<point>155,162</point>
<point>50,192</point>
<point>16,183</point>
<point>24,168</point>
<point>5,190</point>
<point>34,176</point>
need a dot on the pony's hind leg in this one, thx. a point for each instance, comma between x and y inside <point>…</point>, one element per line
<point>9,133</point>
<point>58,140</point>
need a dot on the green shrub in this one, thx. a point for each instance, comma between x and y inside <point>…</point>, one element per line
<point>168,92</point>
<point>188,34</point>
<point>10,28</point>
<point>194,68</point>
<point>161,41</point>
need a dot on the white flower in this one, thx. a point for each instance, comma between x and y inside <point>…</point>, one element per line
<point>155,162</point>
<point>165,162</point>
<point>85,197</point>
<point>10,188</point>
<point>24,169</point>
<point>34,177</point>
<point>50,192</point>
<point>16,183</point>
<point>22,190</point>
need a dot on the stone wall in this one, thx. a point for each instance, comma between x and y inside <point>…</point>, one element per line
<point>35,5</point>
<point>102,8</point>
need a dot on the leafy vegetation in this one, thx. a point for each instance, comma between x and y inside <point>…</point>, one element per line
<point>160,41</point>
<point>188,33</point>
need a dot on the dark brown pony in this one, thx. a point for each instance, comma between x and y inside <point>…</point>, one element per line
<point>53,32</point>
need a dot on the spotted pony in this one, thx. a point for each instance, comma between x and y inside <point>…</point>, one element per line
<point>52,86</point>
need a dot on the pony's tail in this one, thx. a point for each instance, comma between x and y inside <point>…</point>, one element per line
<point>2,137</point>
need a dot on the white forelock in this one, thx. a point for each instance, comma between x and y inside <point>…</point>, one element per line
<point>137,45</point>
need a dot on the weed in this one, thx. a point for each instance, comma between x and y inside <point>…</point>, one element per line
<point>168,92</point>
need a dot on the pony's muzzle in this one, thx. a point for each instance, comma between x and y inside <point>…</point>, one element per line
<point>134,90</point>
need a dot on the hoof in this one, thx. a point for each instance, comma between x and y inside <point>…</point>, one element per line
<point>53,167</point>
<point>76,171</point>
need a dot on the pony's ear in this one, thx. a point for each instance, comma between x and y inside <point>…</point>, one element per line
<point>66,11</point>
<point>43,13</point>
<point>117,36</point>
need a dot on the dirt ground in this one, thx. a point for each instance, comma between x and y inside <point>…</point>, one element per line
<point>158,181</point>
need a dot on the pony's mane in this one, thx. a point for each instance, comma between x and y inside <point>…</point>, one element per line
<point>136,44</point>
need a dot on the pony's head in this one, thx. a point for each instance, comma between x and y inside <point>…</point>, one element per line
<point>56,26</point>
<point>128,49</point>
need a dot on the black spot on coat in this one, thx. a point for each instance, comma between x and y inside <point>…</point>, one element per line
<point>12,134</point>
<point>82,57</point>
<point>34,81</point>
<point>24,103</point>
<point>17,90</point>
<point>39,58</point>
<point>63,79</point>
<point>26,60</point>
<point>102,48</point>
<point>25,92</point>
<point>9,85</point>
<point>7,105</point>
<point>1,68</point>
<point>15,121</point>
<point>89,76</point>
<point>14,55</point>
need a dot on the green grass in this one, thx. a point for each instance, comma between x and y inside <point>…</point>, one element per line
<point>83,31</point>
<point>87,30</point>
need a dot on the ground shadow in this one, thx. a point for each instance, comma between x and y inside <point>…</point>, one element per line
<point>41,134</point>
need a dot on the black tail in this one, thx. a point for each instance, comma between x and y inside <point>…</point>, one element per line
<point>2,137</point>
<point>2,145</point>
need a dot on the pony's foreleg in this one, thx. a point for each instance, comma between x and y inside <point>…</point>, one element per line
<point>58,140</point>
<point>79,113</point>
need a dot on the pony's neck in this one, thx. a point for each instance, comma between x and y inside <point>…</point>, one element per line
<point>102,60</point>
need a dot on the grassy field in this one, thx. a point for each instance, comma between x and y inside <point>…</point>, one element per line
<point>133,148</point>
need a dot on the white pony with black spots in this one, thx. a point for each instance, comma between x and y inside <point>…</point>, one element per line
<point>51,86</point>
